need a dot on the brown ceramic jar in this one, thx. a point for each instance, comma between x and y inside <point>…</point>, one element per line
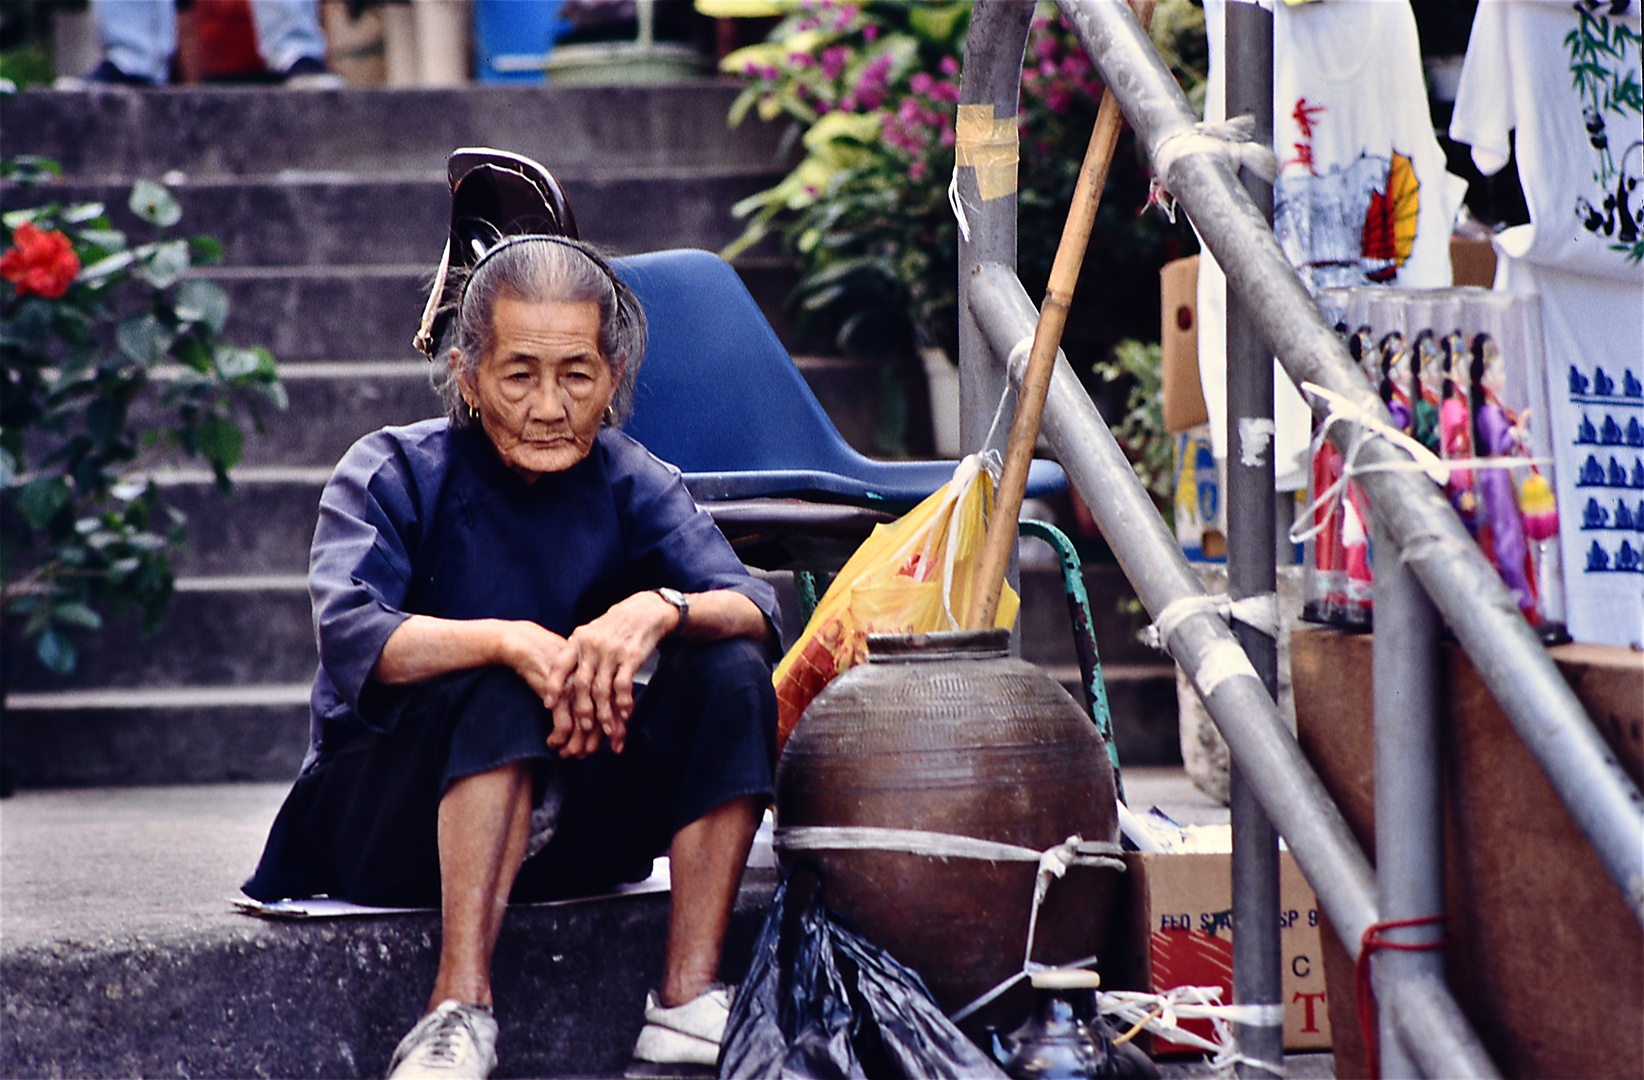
<point>948,733</point>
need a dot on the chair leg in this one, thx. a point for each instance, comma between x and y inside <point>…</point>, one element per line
<point>1084,635</point>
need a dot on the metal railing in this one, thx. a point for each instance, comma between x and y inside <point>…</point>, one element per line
<point>1432,555</point>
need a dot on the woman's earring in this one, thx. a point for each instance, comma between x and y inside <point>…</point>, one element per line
<point>473,413</point>
<point>610,415</point>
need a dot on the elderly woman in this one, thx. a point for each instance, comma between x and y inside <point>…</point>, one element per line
<point>485,588</point>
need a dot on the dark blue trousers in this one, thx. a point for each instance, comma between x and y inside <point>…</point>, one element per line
<point>361,822</point>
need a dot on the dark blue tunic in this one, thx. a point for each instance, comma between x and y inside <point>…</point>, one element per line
<point>427,520</point>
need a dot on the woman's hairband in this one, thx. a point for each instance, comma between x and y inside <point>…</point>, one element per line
<point>564,241</point>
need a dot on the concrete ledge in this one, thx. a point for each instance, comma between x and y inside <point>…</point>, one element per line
<point>121,955</point>
<point>274,221</point>
<point>237,131</point>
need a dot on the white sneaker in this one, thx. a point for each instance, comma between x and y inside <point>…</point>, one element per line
<point>687,1034</point>
<point>454,1042</point>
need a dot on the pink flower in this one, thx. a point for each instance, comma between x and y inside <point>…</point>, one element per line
<point>768,71</point>
<point>870,32</point>
<point>916,171</point>
<point>950,66</point>
<point>801,60</point>
<point>1075,65</point>
<point>921,83</point>
<point>947,138</point>
<point>1057,99</point>
<point>834,60</point>
<point>1047,69</point>
<point>849,103</point>
<point>1045,48</point>
<point>945,91</point>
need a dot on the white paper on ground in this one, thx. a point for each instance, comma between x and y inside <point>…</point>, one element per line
<point>324,907</point>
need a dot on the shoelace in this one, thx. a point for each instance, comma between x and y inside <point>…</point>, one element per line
<point>447,1044</point>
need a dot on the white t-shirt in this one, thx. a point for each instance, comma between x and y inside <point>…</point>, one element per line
<point>1568,82</point>
<point>1362,196</point>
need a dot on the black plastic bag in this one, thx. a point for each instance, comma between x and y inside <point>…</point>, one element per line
<point>821,1001</point>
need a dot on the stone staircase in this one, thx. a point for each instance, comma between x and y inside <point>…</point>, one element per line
<point>120,955</point>
<point>332,207</point>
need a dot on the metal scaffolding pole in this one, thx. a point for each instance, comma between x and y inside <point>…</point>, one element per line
<point>1422,528</point>
<point>1291,792</point>
<point>1409,793</point>
<point>1258,972</point>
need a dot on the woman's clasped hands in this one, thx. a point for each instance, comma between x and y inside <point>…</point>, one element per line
<point>587,679</point>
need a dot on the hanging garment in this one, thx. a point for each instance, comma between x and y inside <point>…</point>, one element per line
<point>1362,196</point>
<point>1563,79</point>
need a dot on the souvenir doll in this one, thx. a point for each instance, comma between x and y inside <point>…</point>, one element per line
<point>1500,529</point>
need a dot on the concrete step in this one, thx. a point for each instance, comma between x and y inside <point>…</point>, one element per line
<point>122,956</point>
<point>295,219</point>
<point>128,737</point>
<point>371,312</point>
<point>253,626</point>
<point>222,632</point>
<point>204,132</point>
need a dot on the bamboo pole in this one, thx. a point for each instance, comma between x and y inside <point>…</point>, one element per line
<point>1047,338</point>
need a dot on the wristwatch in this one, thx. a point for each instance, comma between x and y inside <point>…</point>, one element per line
<point>680,602</point>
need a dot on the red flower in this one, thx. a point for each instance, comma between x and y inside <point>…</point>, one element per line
<point>40,262</point>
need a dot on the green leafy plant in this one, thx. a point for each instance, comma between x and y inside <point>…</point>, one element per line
<point>1142,433</point>
<point>874,86</point>
<point>112,364</point>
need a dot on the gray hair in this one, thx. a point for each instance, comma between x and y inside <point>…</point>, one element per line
<point>543,269</point>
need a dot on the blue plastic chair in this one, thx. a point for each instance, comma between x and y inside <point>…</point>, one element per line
<point>719,397</point>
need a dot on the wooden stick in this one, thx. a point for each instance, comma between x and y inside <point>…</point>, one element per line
<point>1047,338</point>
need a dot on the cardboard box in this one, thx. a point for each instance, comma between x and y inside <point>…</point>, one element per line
<point>1472,261</point>
<point>1182,906</point>
<point>1179,345</point>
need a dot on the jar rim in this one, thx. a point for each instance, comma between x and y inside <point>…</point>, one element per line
<point>942,645</point>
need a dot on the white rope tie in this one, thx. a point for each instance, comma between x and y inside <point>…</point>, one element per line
<point>1259,612</point>
<point>1162,1015</point>
<point>1228,139</point>
<point>1053,863</point>
<point>1344,410</point>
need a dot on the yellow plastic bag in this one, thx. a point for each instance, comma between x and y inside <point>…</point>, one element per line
<point>911,576</point>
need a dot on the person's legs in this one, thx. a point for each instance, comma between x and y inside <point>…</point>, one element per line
<point>706,860</point>
<point>138,36</point>
<point>288,31</point>
<point>484,823</point>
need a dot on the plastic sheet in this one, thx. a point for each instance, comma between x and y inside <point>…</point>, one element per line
<point>821,1001</point>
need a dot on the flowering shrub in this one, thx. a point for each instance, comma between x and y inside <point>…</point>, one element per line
<point>93,330</point>
<point>875,86</point>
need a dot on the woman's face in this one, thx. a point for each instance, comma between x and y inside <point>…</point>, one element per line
<point>543,389</point>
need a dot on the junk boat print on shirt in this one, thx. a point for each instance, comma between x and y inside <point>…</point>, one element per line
<point>1354,223</point>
